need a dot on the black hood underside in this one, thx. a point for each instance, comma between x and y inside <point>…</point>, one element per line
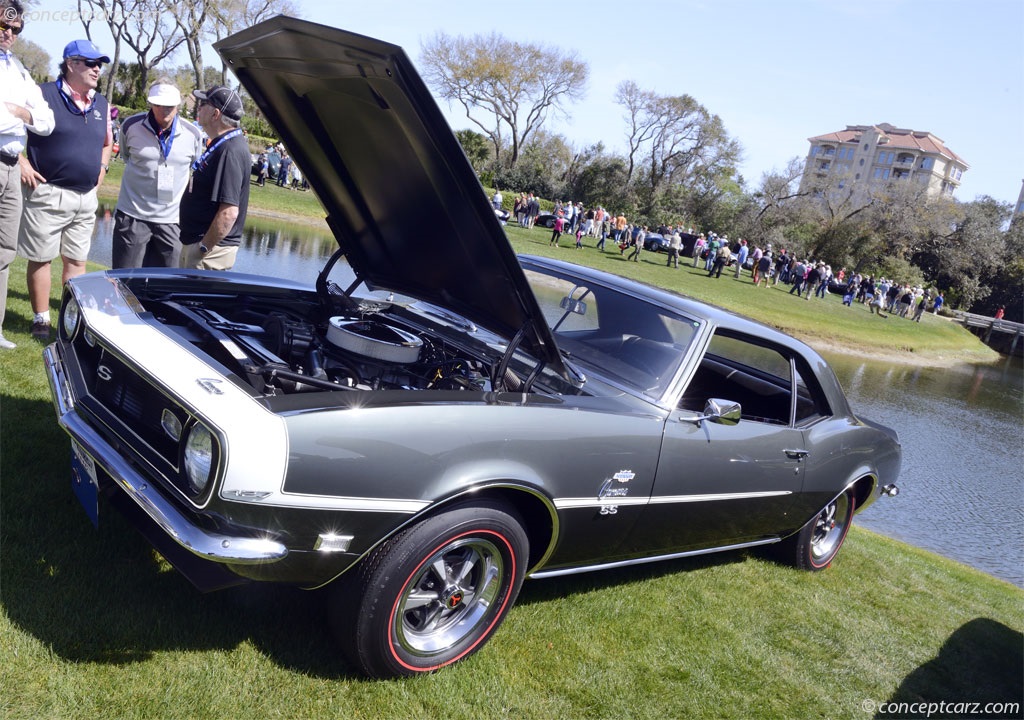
<point>401,197</point>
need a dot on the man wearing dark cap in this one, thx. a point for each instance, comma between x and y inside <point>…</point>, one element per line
<point>213,208</point>
<point>61,174</point>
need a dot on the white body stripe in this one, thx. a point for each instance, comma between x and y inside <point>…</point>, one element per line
<point>575,503</point>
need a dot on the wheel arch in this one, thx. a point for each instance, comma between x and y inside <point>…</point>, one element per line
<point>864,490</point>
<point>534,508</point>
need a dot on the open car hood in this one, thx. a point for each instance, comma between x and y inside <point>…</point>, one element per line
<point>401,197</point>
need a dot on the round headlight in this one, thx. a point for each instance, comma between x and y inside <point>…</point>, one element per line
<point>72,318</point>
<point>198,458</point>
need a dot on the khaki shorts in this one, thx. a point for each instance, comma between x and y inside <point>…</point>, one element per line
<point>219,258</point>
<point>56,221</point>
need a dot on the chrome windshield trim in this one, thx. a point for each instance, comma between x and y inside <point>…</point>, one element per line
<point>210,546</point>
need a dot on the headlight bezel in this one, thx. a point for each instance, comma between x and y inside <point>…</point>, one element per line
<point>200,459</point>
<point>71,317</point>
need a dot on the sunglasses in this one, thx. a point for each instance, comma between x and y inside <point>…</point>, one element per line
<point>15,29</point>
<point>89,63</point>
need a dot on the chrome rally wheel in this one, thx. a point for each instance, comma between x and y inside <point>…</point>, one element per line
<point>434,593</point>
<point>817,543</point>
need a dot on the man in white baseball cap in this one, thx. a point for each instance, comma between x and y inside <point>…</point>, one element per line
<point>158,148</point>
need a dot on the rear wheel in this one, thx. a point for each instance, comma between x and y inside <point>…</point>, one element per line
<point>434,593</point>
<point>817,543</point>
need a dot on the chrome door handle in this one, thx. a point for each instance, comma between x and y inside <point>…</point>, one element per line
<point>796,454</point>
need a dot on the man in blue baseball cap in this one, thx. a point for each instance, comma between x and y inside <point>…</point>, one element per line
<point>60,177</point>
<point>84,49</point>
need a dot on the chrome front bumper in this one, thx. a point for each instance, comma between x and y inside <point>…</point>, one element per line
<point>209,546</point>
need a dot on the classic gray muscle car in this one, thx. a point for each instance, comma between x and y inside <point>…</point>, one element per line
<point>452,420</point>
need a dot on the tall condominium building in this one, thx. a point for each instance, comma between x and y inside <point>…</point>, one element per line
<point>865,156</point>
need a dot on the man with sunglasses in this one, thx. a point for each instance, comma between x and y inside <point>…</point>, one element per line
<point>61,175</point>
<point>21,108</point>
<point>213,209</point>
<point>158,148</point>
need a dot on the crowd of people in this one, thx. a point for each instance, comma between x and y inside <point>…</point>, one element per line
<point>716,254</point>
<point>185,189</point>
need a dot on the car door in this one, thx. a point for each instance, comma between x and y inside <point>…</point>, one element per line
<point>721,484</point>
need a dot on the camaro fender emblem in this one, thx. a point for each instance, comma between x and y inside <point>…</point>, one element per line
<point>623,477</point>
<point>210,385</point>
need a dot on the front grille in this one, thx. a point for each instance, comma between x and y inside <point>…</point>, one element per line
<point>130,408</point>
<point>136,403</point>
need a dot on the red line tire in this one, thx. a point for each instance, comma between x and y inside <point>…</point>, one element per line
<point>434,593</point>
<point>818,542</point>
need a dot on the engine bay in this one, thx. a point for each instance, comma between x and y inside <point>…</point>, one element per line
<point>283,348</point>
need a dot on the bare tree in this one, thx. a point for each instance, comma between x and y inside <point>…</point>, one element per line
<point>142,25</point>
<point>191,18</point>
<point>673,142</point>
<point>504,86</point>
<point>112,13</point>
<point>229,16</point>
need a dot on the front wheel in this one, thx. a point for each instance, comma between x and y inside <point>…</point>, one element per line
<point>817,543</point>
<point>433,594</point>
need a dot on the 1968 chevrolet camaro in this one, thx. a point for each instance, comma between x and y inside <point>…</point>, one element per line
<point>450,419</point>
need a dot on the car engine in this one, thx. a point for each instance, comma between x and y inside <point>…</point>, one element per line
<point>281,351</point>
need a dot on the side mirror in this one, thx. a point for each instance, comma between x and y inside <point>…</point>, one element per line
<point>723,412</point>
<point>573,306</point>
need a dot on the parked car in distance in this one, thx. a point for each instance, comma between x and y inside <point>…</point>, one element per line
<point>655,242</point>
<point>420,440</point>
<point>545,220</point>
<point>273,163</point>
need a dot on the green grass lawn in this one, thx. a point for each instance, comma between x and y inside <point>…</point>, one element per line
<point>93,624</point>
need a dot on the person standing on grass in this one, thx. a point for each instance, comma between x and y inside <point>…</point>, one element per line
<point>764,268</point>
<point>741,257</point>
<point>22,108</point>
<point>158,148</point>
<point>60,173</point>
<point>675,244</point>
<point>722,258</point>
<point>212,212</point>
<point>556,231</point>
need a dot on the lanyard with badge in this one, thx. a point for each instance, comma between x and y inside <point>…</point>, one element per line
<point>200,163</point>
<point>164,172</point>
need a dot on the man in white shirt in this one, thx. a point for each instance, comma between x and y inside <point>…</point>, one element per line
<point>158,148</point>
<point>21,108</point>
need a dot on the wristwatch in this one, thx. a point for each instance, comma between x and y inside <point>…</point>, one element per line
<point>105,167</point>
<point>203,249</point>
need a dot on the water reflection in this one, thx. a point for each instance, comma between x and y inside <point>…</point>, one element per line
<point>269,247</point>
<point>962,493</point>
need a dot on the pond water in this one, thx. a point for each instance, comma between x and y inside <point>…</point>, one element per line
<point>962,485</point>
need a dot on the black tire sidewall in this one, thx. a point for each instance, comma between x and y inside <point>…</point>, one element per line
<point>390,569</point>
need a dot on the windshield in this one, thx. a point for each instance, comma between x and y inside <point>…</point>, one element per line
<point>612,333</point>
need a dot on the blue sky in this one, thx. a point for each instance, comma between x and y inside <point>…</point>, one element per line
<point>776,72</point>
